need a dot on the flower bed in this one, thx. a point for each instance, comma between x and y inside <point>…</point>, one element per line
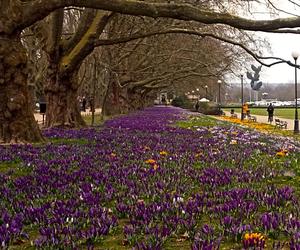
<point>142,182</point>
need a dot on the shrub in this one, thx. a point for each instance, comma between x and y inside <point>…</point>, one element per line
<point>182,102</point>
<point>208,108</point>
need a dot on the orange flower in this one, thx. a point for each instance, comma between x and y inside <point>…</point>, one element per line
<point>151,161</point>
<point>146,148</point>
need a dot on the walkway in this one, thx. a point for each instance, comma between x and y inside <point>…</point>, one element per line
<point>39,117</point>
<point>264,119</point>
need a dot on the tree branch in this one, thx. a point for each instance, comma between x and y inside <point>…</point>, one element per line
<point>37,10</point>
<point>197,33</point>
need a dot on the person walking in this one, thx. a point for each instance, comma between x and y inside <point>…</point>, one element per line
<point>197,105</point>
<point>270,110</point>
<point>245,110</point>
<point>83,104</point>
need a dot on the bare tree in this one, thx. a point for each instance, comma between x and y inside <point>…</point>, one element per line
<point>16,118</point>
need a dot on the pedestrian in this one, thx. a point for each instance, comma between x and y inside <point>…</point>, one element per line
<point>245,110</point>
<point>270,110</point>
<point>197,105</point>
<point>83,104</point>
<point>164,100</point>
<point>91,102</point>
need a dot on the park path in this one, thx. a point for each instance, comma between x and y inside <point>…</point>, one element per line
<point>264,119</point>
<point>39,117</point>
<point>260,118</point>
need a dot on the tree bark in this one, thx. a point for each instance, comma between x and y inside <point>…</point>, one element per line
<point>115,101</point>
<point>17,123</point>
<point>136,100</point>
<point>61,96</point>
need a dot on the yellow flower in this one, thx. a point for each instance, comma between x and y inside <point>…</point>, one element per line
<point>113,154</point>
<point>282,153</point>
<point>163,153</point>
<point>151,161</point>
<point>253,239</point>
<point>155,166</point>
<point>198,155</point>
<point>233,142</point>
<point>246,236</point>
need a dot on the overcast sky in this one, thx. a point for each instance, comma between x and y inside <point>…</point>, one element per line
<point>282,45</point>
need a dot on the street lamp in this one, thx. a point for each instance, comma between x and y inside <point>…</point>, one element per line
<point>219,96</point>
<point>206,87</point>
<point>242,95</point>
<point>295,55</point>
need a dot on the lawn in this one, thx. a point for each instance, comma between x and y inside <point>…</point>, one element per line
<point>160,178</point>
<point>288,113</point>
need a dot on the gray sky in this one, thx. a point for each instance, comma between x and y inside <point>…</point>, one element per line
<point>282,45</point>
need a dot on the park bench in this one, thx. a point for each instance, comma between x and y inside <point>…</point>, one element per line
<point>280,124</point>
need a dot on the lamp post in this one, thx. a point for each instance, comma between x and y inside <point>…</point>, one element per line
<point>295,55</point>
<point>219,96</point>
<point>242,95</point>
<point>206,87</point>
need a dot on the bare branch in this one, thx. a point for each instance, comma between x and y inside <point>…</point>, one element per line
<point>37,10</point>
<point>197,33</point>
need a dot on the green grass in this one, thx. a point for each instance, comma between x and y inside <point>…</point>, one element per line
<point>97,121</point>
<point>288,113</point>
<point>201,121</point>
<point>16,169</point>
<point>69,141</point>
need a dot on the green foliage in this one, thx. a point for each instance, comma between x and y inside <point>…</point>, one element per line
<point>182,102</point>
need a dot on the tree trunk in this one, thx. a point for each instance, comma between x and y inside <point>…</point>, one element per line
<point>17,123</point>
<point>61,96</point>
<point>135,100</point>
<point>113,103</point>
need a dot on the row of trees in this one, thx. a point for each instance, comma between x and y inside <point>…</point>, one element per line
<point>60,40</point>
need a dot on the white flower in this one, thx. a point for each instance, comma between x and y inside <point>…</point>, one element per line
<point>178,200</point>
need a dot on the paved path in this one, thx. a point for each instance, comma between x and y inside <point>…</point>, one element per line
<point>264,119</point>
<point>39,117</point>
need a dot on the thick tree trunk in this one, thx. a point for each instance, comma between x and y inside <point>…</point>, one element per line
<point>62,104</point>
<point>17,123</point>
<point>114,102</point>
<point>135,100</point>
